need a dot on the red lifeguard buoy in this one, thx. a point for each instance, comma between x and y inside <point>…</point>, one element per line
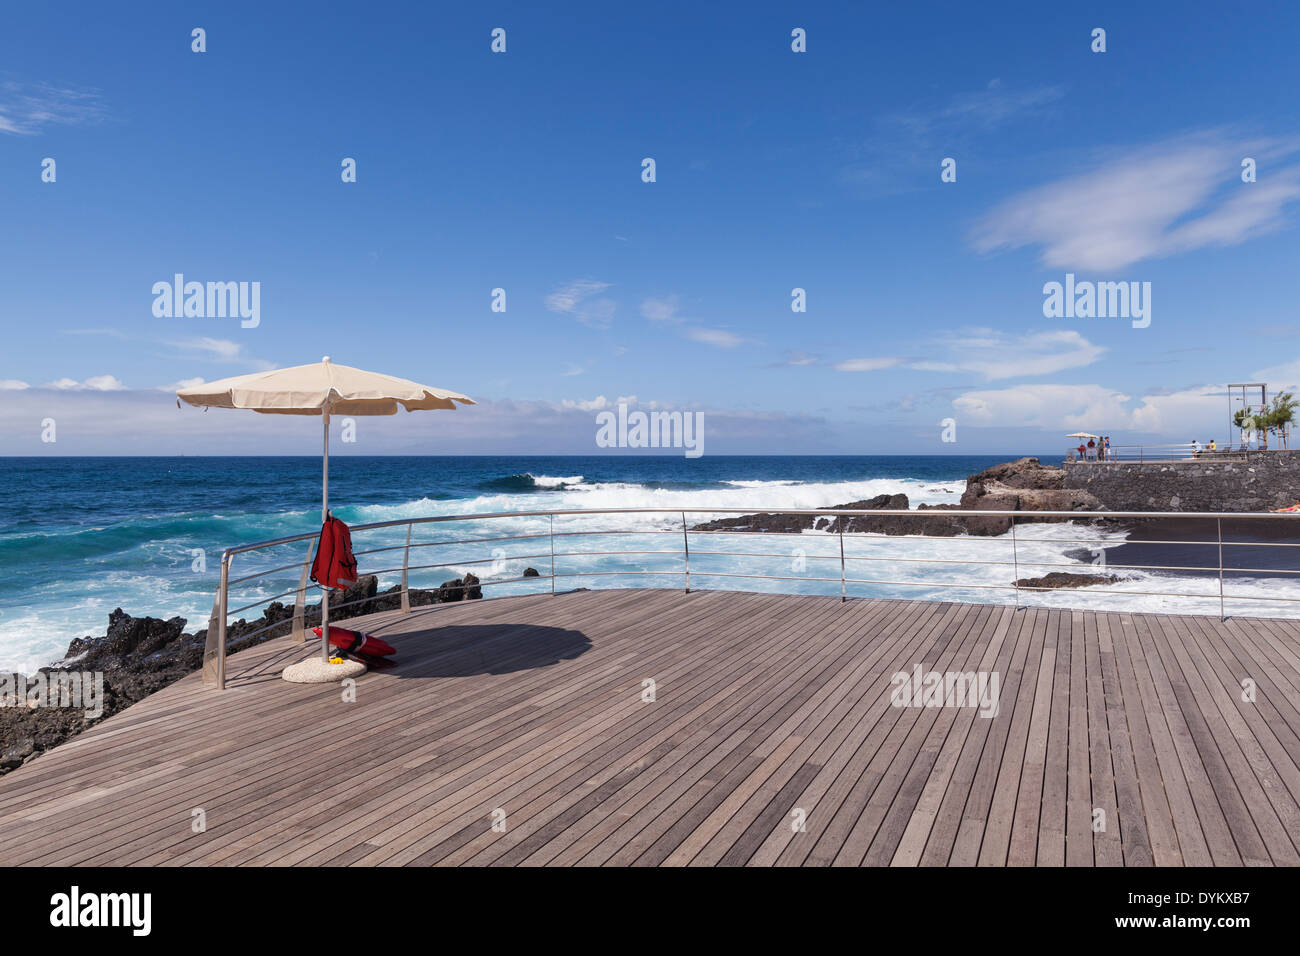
<point>365,645</point>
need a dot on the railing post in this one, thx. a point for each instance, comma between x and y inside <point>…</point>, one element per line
<point>221,624</point>
<point>1015,562</point>
<point>299,632</point>
<point>1219,522</point>
<point>406,563</point>
<point>843,598</point>
<point>552,517</point>
<point>214,650</point>
<point>686,550</point>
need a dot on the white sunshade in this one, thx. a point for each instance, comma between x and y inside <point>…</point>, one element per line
<point>1083,435</point>
<point>322,389</point>
<point>310,389</point>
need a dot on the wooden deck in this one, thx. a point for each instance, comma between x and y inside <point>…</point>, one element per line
<point>765,705</point>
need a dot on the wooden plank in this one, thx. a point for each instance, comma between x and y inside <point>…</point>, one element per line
<point>1131,822</point>
<point>1107,845</point>
<point>1023,849</point>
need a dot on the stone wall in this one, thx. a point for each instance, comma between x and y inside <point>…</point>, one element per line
<point>1263,482</point>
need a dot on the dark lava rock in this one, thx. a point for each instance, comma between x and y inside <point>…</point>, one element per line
<point>126,636</point>
<point>1066,579</point>
<point>16,751</point>
<point>456,589</point>
<point>793,524</point>
<point>1023,485</point>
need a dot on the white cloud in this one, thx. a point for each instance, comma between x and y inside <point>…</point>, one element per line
<point>96,383</point>
<point>794,358</point>
<point>575,299</point>
<point>598,403</point>
<point>661,310</point>
<point>981,110</point>
<point>866,364</point>
<point>26,109</point>
<point>1284,377</point>
<point>1196,413</point>
<point>1191,412</point>
<point>183,383</point>
<point>994,354</point>
<point>903,142</point>
<point>720,338</point>
<point>223,351</point>
<point>220,348</point>
<point>1150,203</point>
<point>1071,407</point>
<point>12,385</point>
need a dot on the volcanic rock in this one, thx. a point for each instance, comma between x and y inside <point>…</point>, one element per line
<point>1066,579</point>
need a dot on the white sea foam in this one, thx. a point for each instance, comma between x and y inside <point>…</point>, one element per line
<point>550,481</point>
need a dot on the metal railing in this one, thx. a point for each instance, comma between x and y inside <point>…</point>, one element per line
<point>214,670</point>
<point>1184,452</point>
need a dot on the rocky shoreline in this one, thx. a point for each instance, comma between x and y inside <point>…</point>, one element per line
<point>140,655</point>
<point>1024,485</point>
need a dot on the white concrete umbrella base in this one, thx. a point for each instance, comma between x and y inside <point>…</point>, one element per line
<point>316,671</point>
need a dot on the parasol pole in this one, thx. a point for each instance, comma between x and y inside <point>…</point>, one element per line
<point>324,516</point>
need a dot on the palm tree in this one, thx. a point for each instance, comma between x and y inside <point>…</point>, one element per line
<point>1280,415</point>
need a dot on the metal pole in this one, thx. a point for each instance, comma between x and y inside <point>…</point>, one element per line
<point>324,516</point>
<point>686,550</point>
<point>1015,562</point>
<point>843,598</point>
<point>1219,522</point>
<point>221,622</point>
<point>406,562</point>
<point>552,517</point>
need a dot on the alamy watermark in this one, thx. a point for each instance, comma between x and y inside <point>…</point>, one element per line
<point>213,300</point>
<point>1098,300</point>
<point>131,911</point>
<point>975,689</point>
<point>78,690</point>
<point>651,430</point>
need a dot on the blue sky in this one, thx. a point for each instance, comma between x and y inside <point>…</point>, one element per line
<point>774,170</point>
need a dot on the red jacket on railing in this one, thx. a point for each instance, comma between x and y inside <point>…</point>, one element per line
<point>334,566</point>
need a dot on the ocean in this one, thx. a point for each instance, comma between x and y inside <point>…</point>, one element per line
<point>82,536</point>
